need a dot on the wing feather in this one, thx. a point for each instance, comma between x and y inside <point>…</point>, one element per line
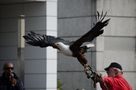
<point>35,39</point>
<point>93,33</point>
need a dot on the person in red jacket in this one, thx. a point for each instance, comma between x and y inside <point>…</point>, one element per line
<point>114,79</point>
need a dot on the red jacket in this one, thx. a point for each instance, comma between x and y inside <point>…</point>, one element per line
<point>116,83</point>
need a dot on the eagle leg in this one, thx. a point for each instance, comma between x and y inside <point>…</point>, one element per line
<point>93,75</point>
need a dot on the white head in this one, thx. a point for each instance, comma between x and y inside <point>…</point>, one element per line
<point>64,48</point>
<point>61,45</point>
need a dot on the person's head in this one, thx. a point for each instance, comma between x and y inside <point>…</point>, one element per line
<point>8,68</point>
<point>113,69</point>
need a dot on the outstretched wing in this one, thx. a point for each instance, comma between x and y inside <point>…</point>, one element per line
<point>35,39</point>
<point>93,33</point>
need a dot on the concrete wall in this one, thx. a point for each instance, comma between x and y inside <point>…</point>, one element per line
<point>119,40</point>
<point>51,54</point>
<point>118,43</point>
<point>38,69</point>
<point>75,18</point>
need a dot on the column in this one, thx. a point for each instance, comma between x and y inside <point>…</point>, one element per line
<point>51,29</point>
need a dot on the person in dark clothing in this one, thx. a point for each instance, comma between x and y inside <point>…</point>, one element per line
<point>9,80</point>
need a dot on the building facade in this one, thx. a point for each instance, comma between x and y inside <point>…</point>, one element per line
<point>41,68</point>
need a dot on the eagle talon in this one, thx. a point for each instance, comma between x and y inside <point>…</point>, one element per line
<point>87,70</point>
<point>86,67</point>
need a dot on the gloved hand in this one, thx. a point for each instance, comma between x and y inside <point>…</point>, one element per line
<point>12,80</point>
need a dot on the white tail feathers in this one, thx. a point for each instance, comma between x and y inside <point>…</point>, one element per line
<point>89,45</point>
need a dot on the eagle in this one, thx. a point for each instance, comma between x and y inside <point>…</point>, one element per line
<point>76,48</point>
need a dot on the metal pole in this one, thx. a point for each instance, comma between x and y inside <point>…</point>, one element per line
<point>21,46</point>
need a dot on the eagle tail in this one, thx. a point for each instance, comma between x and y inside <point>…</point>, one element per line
<point>86,47</point>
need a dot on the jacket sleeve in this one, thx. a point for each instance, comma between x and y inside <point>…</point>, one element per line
<point>19,85</point>
<point>103,84</point>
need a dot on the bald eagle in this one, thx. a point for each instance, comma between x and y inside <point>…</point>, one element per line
<point>70,48</point>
